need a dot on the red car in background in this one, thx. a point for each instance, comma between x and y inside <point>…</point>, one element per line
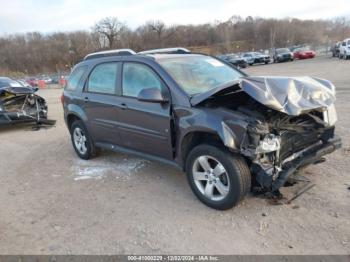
<point>303,53</point>
<point>32,81</point>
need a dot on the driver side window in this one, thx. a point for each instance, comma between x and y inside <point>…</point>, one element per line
<point>136,77</point>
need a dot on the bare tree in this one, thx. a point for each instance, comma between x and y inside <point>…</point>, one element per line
<point>158,27</point>
<point>110,28</point>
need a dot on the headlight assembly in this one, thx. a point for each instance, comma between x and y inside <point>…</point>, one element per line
<point>270,143</point>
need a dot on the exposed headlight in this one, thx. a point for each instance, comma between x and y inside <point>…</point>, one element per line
<point>270,143</point>
<point>330,115</point>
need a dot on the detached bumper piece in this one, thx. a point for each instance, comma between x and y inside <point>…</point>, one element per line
<point>310,156</point>
<point>306,158</point>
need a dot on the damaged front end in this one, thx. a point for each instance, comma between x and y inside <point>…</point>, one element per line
<point>281,124</point>
<point>281,145</point>
<point>21,104</point>
<point>295,129</point>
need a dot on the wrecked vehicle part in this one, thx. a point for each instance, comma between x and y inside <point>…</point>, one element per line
<point>278,138</point>
<point>21,104</point>
<point>290,95</point>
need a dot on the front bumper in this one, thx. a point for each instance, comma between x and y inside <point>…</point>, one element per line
<point>306,157</point>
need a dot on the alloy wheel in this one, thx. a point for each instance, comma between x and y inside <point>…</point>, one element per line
<point>80,140</point>
<point>211,178</point>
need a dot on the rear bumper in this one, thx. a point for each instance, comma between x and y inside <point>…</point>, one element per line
<point>310,156</point>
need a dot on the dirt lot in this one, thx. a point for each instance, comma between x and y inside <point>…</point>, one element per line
<point>53,203</point>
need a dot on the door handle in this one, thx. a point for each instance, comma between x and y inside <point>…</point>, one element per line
<point>86,99</point>
<point>123,106</point>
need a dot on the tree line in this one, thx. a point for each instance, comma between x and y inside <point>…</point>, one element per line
<point>35,52</point>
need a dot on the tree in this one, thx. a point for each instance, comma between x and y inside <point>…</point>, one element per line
<point>158,27</point>
<point>109,28</point>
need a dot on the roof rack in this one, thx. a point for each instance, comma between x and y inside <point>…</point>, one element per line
<point>114,52</point>
<point>173,50</point>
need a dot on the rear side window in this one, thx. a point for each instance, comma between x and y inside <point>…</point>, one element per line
<point>75,77</point>
<point>137,77</point>
<point>103,79</point>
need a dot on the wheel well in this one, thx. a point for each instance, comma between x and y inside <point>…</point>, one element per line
<point>196,138</point>
<point>70,119</point>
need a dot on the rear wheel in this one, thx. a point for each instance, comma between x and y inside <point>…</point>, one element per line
<point>81,140</point>
<point>217,177</point>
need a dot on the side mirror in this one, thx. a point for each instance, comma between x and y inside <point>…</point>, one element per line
<point>152,95</point>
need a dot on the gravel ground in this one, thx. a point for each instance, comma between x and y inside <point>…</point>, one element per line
<point>51,202</point>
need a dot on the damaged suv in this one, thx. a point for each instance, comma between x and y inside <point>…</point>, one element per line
<point>228,131</point>
<point>19,103</point>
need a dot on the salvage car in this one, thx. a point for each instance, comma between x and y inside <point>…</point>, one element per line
<point>19,103</point>
<point>235,60</point>
<point>344,49</point>
<point>303,53</point>
<point>282,55</point>
<point>228,131</point>
<point>256,58</point>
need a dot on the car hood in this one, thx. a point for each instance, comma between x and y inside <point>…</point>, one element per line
<point>290,95</point>
<point>18,90</point>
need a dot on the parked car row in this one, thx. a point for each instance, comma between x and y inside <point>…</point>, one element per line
<point>341,49</point>
<point>34,81</point>
<point>277,55</point>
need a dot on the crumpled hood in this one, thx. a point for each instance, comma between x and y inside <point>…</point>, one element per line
<point>290,95</point>
<point>18,90</point>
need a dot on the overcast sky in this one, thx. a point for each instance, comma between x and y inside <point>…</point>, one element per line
<point>67,15</point>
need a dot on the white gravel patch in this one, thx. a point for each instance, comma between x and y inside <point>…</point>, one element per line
<point>98,169</point>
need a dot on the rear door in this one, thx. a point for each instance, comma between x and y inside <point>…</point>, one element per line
<point>144,126</point>
<point>100,102</point>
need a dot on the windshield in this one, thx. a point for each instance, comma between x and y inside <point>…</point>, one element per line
<point>198,73</point>
<point>282,50</point>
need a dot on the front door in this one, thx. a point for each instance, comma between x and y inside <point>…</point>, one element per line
<point>144,126</point>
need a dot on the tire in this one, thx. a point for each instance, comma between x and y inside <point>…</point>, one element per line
<point>233,178</point>
<point>79,127</point>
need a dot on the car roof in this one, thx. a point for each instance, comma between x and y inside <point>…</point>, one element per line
<point>107,53</point>
<point>169,56</point>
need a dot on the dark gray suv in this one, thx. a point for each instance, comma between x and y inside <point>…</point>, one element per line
<point>229,132</point>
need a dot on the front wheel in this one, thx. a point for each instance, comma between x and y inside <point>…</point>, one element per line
<point>217,177</point>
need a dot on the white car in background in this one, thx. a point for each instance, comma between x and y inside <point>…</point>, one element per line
<point>344,50</point>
